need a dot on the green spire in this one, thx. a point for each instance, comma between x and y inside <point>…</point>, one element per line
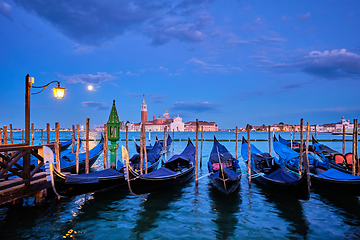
<point>113,118</point>
<point>143,98</point>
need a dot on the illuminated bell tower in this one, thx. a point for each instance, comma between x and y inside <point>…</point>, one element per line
<point>143,111</point>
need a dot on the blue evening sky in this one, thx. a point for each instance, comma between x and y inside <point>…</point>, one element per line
<point>232,62</point>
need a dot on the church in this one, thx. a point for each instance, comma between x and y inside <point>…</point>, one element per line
<point>157,124</point>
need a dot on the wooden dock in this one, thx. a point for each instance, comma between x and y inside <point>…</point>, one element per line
<point>18,180</point>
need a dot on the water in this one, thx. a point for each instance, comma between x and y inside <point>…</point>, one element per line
<point>188,212</point>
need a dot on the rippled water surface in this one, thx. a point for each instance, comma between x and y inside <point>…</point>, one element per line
<point>188,212</point>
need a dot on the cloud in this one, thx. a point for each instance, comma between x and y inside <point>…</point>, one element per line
<point>303,17</point>
<point>96,105</point>
<point>333,64</point>
<point>93,22</point>
<point>132,74</point>
<point>194,107</point>
<point>205,67</point>
<point>285,19</point>
<point>88,78</point>
<point>5,10</point>
<point>261,40</point>
<point>80,50</point>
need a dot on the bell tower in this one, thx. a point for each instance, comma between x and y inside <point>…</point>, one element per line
<point>143,111</point>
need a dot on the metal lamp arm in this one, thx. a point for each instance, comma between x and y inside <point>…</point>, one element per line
<point>44,87</point>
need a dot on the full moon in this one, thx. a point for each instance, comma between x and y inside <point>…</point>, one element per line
<point>90,87</point>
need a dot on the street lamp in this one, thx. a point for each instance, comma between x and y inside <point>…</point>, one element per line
<point>58,93</point>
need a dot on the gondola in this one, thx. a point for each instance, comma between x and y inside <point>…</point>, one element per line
<point>148,148</point>
<point>68,151</point>
<point>336,181</point>
<point>66,184</point>
<point>153,159</point>
<point>65,145</point>
<point>34,160</point>
<point>322,177</point>
<point>224,169</point>
<point>291,158</point>
<point>273,174</point>
<point>295,145</point>
<point>336,159</point>
<point>68,162</point>
<point>179,169</point>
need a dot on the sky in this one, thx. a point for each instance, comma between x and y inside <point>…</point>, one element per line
<point>232,62</point>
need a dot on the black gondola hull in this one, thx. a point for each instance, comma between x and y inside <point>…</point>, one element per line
<point>301,190</point>
<point>68,190</point>
<point>72,168</point>
<point>350,187</point>
<point>229,187</point>
<point>146,185</point>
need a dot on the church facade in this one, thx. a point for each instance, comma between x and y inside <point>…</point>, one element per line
<point>157,124</point>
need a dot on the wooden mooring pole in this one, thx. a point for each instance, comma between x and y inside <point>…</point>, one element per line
<point>343,146</point>
<point>236,141</point>
<point>196,153</point>
<point>301,145</point>
<point>269,139</point>
<point>11,138</point>
<point>165,143</point>
<point>141,150</point>
<point>32,134</point>
<point>127,138</point>
<point>306,163</point>
<point>57,147</point>
<point>315,132</point>
<point>87,164</point>
<point>249,154</point>
<point>357,147</point>
<point>77,147</point>
<point>144,148</point>
<point>353,149</point>
<point>22,136</point>
<point>73,138</point>
<point>47,133</point>
<point>5,137</point>
<point>201,145</point>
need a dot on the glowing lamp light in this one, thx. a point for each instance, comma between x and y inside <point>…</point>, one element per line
<point>59,92</point>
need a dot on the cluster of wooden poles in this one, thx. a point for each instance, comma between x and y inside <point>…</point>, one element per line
<point>56,141</point>
<point>355,156</point>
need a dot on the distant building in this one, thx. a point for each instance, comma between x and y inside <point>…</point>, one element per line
<point>157,124</point>
<point>207,126</point>
<point>143,111</point>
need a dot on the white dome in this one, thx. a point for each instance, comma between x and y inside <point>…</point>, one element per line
<point>166,115</point>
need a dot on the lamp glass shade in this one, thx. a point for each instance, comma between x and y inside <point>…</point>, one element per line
<point>59,92</point>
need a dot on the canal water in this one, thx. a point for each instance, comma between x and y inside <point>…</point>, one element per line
<point>188,212</point>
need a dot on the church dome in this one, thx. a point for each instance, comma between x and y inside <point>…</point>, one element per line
<point>166,115</point>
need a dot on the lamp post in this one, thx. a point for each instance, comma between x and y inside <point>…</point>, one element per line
<point>113,134</point>
<point>58,93</point>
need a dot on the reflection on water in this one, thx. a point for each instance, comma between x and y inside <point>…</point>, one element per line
<point>152,207</point>
<point>290,209</point>
<point>226,209</point>
<point>346,206</point>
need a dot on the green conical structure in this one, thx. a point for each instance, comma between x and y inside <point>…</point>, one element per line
<point>113,134</point>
